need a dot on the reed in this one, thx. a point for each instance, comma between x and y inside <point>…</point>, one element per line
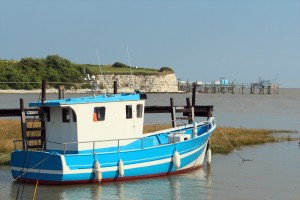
<point>239,137</point>
<point>10,130</point>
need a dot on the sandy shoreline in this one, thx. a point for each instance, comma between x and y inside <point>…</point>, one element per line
<point>49,91</point>
<point>79,91</point>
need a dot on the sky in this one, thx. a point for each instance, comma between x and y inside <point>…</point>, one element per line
<point>202,40</point>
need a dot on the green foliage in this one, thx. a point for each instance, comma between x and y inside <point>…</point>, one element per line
<point>166,69</point>
<point>109,69</point>
<point>120,65</point>
<point>28,73</point>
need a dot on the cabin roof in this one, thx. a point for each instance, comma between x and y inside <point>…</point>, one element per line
<point>91,99</point>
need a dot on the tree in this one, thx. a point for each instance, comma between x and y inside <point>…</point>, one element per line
<point>120,65</point>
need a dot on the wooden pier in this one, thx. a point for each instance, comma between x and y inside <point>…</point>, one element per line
<point>251,88</point>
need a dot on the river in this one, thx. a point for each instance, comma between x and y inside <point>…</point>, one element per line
<point>273,172</point>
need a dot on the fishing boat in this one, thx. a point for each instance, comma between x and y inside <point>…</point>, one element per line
<point>100,138</point>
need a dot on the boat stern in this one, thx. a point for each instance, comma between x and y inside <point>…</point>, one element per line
<point>30,166</point>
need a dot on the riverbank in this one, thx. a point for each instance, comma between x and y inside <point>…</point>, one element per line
<point>10,130</point>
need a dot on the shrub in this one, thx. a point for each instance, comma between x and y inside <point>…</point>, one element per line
<point>166,69</point>
<point>119,65</point>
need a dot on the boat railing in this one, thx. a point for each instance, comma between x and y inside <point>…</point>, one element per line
<point>156,124</point>
<point>18,141</point>
<point>119,143</point>
<point>67,146</point>
<point>117,148</point>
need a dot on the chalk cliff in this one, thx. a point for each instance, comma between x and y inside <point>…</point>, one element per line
<point>126,83</point>
<point>145,83</point>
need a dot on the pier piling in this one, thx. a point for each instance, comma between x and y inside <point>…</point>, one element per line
<point>263,87</point>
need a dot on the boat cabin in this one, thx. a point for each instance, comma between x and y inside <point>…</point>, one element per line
<point>78,125</point>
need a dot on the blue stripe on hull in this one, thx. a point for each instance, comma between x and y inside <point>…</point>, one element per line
<point>146,171</point>
<point>150,161</point>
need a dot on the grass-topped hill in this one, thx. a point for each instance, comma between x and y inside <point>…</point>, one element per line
<point>28,73</point>
<point>120,68</point>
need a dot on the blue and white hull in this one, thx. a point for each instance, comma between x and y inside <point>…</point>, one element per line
<point>155,158</point>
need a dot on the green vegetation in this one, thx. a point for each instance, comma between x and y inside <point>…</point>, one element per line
<point>28,73</point>
<point>120,68</point>
<point>239,137</point>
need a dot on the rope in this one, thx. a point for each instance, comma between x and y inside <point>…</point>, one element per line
<point>15,179</point>
<point>21,175</point>
<point>235,151</point>
<point>5,155</point>
<point>23,186</point>
<point>25,172</point>
<point>37,182</point>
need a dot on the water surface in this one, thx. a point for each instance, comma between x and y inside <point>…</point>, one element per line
<point>273,174</point>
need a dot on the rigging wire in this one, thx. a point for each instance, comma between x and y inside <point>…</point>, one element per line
<point>37,181</point>
<point>100,68</point>
<point>239,155</point>
<point>5,155</point>
<point>130,69</point>
<point>26,171</point>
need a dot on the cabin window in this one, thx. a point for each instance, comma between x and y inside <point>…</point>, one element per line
<point>66,115</point>
<point>128,111</point>
<point>99,114</point>
<point>139,110</point>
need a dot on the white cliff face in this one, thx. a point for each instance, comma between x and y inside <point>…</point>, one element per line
<point>144,83</point>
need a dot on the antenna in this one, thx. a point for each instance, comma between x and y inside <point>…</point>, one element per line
<point>100,68</point>
<point>130,68</point>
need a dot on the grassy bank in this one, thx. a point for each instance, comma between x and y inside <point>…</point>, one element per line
<point>239,137</point>
<point>10,130</point>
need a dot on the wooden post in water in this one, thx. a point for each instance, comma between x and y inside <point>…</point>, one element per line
<point>243,89</point>
<point>269,89</point>
<point>193,102</point>
<point>194,95</point>
<point>188,104</point>
<point>61,92</point>
<point>23,124</point>
<point>43,91</point>
<point>115,87</point>
<point>173,113</point>
<point>43,123</point>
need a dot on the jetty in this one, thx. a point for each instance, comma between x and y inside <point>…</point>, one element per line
<point>223,86</point>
